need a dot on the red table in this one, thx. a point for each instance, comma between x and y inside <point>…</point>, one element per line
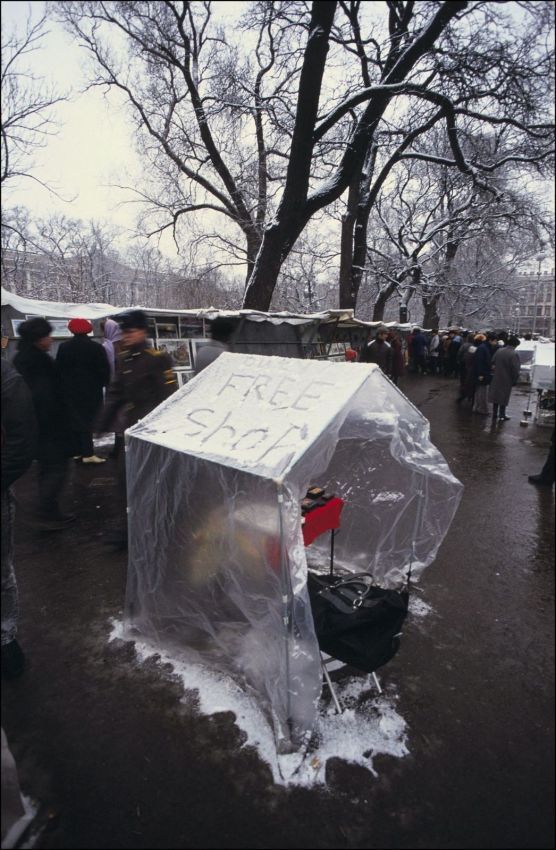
<point>319,520</point>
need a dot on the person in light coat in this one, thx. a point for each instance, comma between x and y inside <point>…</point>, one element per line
<point>505,367</point>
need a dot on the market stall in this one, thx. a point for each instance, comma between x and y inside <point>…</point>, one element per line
<point>216,477</point>
<point>542,383</point>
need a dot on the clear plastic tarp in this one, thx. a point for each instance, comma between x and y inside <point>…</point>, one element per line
<point>216,474</point>
<point>542,370</point>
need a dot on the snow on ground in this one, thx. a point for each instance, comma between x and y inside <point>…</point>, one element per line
<point>418,607</point>
<point>368,726</point>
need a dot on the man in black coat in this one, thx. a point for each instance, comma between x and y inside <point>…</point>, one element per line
<point>19,431</point>
<point>41,375</point>
<point>379,351</point>
<point>85,371</point>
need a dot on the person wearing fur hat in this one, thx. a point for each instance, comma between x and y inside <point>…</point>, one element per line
<point>41,374</point>
<point>505,367</point>
<point>85,371</point>
<point>378,351</point>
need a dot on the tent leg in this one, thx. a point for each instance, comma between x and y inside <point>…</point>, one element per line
<point>377,683</point>
<point>326,675</point>
<point>332,533</point>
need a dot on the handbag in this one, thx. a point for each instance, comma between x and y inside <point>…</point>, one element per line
<point>355,620</point>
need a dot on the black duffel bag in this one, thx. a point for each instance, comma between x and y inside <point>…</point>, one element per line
<point>356,621</point>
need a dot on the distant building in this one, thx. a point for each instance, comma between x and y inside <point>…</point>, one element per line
<point>534,311</point>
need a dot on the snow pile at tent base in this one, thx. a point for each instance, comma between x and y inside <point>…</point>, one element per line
<point>369,725</point>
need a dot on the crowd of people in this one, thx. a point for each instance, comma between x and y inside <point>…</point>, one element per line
<point>485,364</point>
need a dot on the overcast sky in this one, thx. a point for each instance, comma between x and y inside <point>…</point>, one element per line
<point>93,146</point>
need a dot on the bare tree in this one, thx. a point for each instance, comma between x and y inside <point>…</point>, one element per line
<point>432,222</point>
<point>479,68</point>
<point>27,102</point>
<point>267,141</point>
<point>499,85</point>
<point>207,115</point>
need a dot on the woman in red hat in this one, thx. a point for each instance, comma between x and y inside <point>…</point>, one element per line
<point>84,370</point>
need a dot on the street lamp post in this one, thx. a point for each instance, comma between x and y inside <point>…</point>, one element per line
<point>540,258</point>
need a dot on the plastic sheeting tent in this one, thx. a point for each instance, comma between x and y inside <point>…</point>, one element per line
<point>217,565</point>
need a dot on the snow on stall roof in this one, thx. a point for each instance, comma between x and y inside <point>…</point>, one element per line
<point>63,309</point>
<point>56,309</point>
<point>254,412</point>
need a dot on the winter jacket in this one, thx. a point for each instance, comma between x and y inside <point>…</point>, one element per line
<point>378,352</point>
<point>19,425</point>
<point>483,358</point>
<point>42,376</point>
<point>397,358</point>
<point>144,378</point>
<point>84,371</point>
<point>505,364</point>
<point>419,344</point>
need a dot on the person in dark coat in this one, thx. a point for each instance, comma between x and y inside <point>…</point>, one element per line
<point>453,351</point>
<point>144,378</point>
<point>397,356</point>
<point>19,432</point>
<point>221,331</point>
<point>420,351</point>
<point>505,368</point>
<point>483,373</point>
<point>378,351</point>
<point>54,445</point>
<point>467,385</point>
<point>85,371</point>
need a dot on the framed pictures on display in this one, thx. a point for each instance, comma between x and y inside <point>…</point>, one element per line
<point>179,352</point>
<point>166,330</point>
<point>60,327</point>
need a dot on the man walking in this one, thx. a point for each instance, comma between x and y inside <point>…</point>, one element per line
<point>144,378</point>
<point>379,351</point>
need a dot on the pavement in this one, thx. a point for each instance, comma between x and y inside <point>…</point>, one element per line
<point>118,760</point>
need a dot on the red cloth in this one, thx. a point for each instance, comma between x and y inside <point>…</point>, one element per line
<point>80,326</point>
<point>322,519</point>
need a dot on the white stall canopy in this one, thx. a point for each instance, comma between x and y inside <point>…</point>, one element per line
<point>217,564</point>
<point>542,370</point>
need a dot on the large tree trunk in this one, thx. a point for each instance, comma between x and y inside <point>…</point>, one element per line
<point>382,299</point>
<point>253,243</point>
<point>297,207</point>
<point>431,319</point>
<point>347,299</point>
